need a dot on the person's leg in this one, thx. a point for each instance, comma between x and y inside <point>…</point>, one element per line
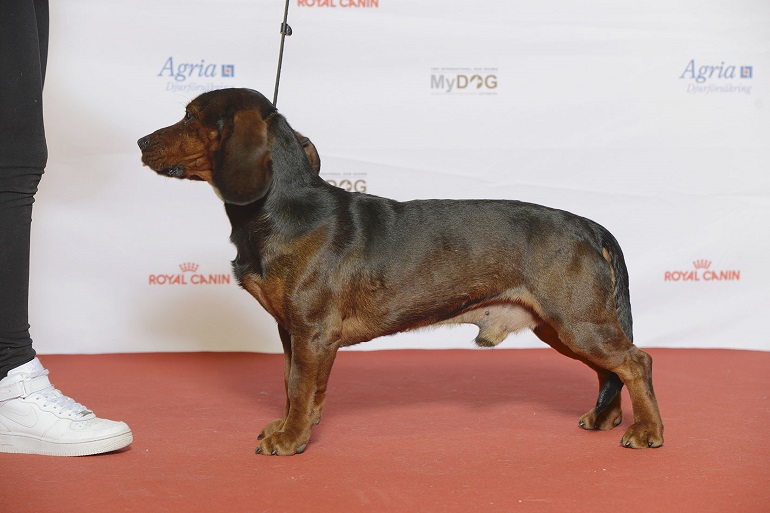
<point>23,155</point>
<point>15,211</point>
<point>60,426</point>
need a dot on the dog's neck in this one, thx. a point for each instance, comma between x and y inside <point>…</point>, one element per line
<point>298,202</point>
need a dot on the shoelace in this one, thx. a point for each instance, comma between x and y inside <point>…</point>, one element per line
<point>54,397</point>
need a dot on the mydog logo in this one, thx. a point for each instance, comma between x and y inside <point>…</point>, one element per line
<point>719,78</point>
<point>702,271</point>
<point>351,182</point>
<point>189,275</point>
<point>333,4</point>
<point>199,76</point>
<point>463,80</point>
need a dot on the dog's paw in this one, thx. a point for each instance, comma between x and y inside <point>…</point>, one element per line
<point>281,443</point>
<point>604,421</point>
<point>641,436</point>
<point>271,428</point>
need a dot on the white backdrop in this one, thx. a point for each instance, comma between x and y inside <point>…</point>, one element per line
<point>651,119</point>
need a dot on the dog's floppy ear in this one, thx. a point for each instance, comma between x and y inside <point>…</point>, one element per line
<point>310,151</point>
<point>243,172</point>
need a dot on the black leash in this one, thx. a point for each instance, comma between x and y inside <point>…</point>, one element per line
<point>285,31</point>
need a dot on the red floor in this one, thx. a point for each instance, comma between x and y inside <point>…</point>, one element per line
<point>424,431</point>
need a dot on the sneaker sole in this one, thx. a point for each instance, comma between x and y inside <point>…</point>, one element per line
<point>20,444</point>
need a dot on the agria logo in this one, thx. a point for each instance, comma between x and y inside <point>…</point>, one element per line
<point>199,76</point>
<point>463,80</point>
<point>717,78</point>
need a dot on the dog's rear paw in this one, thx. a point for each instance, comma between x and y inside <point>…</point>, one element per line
<point>604,420</point>
<point>281,444</point>
<point>641,436</point>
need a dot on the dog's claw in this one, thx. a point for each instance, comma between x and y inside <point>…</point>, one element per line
<point>281,444</point>
<point>261,436</point>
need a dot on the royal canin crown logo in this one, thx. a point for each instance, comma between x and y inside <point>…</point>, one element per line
<point>189,276</point>
<point>188,267</point>
<point>702,272</point>
<point>702,264</point>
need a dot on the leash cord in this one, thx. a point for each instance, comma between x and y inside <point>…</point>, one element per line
<point>285,31</point>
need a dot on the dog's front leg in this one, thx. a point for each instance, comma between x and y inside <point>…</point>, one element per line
<point>277,424</point>
<point>308,368</point>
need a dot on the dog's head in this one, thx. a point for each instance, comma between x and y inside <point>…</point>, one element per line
<point>222,140</point>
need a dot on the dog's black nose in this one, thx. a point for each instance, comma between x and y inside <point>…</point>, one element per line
<point>144,142</point>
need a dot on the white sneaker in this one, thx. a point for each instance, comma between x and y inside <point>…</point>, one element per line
<point>35,418</point>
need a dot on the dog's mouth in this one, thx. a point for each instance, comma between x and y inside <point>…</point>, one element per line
<point>155,155</point>
<point>174,172</point>
<point>178,171</point>
<point>183,172</point>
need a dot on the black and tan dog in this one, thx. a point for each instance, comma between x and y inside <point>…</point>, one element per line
<point>336,268</point>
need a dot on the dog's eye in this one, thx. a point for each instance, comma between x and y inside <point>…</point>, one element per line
<point>188,117</point>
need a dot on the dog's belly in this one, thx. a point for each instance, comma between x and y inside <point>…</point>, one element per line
<point>496,321</point>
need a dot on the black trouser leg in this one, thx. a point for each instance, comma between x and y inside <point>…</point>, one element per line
<point>23,155</point>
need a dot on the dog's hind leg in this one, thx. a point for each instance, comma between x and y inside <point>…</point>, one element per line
<point>605,346</point>
<point>309,367</point>
<point>636,373</point>
<point>607,413</point>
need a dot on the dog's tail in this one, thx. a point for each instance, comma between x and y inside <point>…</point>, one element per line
<point>614,256</point>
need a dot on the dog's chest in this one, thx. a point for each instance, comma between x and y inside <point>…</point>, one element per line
<point>268,292</point>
